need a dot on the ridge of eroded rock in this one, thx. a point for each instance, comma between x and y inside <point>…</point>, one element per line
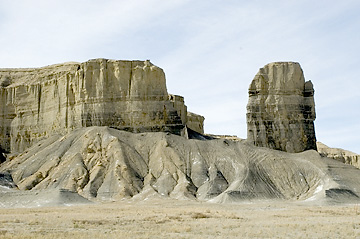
<point>107,164</point>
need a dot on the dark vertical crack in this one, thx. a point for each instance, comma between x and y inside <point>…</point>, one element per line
<point>39,103</point>
<point>131,73</point>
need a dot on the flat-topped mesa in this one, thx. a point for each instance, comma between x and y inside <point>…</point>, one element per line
<point>130,95</point>
<point>281,109</point>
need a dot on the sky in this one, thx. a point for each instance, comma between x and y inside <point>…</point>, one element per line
<point>210,50</point>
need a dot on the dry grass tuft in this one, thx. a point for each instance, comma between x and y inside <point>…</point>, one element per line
<point>176,219</point>
<point>199,215</point>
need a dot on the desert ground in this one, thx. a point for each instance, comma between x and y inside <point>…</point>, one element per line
<point>264,193</point>
<point>169,218</point>
<point>99,182</point>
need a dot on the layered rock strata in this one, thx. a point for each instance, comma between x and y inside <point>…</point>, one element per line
<point>281,109</point>
<point>128,95</point>
<point>195,122</point>
<point>341,155</point>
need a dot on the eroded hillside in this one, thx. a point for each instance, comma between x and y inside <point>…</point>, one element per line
<point>107,164</point>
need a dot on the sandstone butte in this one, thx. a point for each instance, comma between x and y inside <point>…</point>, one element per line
<point>37,103</point>
<point>281,109</point>
<point>76,122</point>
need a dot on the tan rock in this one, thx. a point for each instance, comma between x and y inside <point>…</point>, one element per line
<point>128,95</point>
<point>195,122</point>
<point>342,155</point>
<point>281,108</point>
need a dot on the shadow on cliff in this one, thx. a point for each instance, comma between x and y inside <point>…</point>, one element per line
<point>2,156</point>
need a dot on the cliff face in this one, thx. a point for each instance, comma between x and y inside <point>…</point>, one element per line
<point>195,122</point>
<point>341,155</point>
<point>128,95</point>
<point>281,108</point>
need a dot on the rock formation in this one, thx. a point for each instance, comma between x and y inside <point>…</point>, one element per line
<point>108,164</point>
<point>195,122</point>
<point>128,95</point>
<point>71,120</point>
<point>341,155</point>
<point>281,109</point>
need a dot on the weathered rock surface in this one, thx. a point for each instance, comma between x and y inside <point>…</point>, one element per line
<point>281,109</point>
<point>129,95</point>
<point>108,164</point>
<point>79,111</point>
<point>342,155</point>
<point>6,180</point>
<point>195,122</point>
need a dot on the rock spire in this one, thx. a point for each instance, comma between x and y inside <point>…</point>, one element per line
<point>281,108</point>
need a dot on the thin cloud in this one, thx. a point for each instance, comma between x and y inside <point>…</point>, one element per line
<point>209,50</point>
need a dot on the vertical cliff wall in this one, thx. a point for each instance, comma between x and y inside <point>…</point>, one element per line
<point>195,122</point>
<point>341,155</point>
<point>281,108</point>
<point>128,95</point>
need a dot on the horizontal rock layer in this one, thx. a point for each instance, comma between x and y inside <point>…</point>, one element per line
<point>281,108</point>
<point>195,122</point>
<point>341,155</point>
<point>129,95</point>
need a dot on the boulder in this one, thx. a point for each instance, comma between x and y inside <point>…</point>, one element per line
<point>281,109</point>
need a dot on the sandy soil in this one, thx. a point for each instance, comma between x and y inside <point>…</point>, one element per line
<point>167,218</point>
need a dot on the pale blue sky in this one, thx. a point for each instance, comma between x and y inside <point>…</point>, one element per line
<point>210,50</point>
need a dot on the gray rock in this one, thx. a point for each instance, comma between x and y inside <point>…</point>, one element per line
<point>6,180</point>
<point>102,163</point>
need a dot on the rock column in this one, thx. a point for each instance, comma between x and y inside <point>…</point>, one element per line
<point>281,109</point>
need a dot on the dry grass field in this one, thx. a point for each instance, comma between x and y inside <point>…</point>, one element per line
<point>182,219</point>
